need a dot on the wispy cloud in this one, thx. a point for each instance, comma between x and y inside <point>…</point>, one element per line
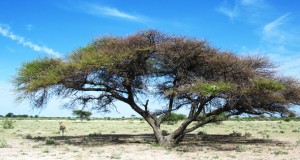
<point>5,32</point>
<point>229,12</point>
<point>280,41</point>
<point>243,10</point>
<point>107,11</point>
<point>29,27</point>
<point>273,32</point>
<point>278,38</point>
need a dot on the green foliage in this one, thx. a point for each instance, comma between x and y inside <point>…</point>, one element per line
<point>49,141</point>
<point>165,132</point>
<point>174,118</point>
<point>235,134</point>
<point>8,123</point>
<point>292,115</point>
<point>268,84</point>
<point>3,143</point>
<point>298,142</point>
<point>28,136</point>
<point>82,114</point>
<point>247,135</point>
<point>280,153</point>
<point>38,74</point>
<point>9,114</point>
<point>241,148</point>
<point>209,88</point>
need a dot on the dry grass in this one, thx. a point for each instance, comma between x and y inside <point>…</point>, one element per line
<point>133,139</point>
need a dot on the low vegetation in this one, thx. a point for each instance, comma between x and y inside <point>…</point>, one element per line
<point>7,123</point>
<point>118,138</point>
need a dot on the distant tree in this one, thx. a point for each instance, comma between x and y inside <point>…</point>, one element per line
<point>9,115</point>
<point>292,115</point>
<point>82,114</point>
<point>22,116</point>
<point>174,118</point>
<point>212,85</point>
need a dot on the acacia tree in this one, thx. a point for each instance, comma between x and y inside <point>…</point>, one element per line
<point>212,85</point>
<point>82,114</point>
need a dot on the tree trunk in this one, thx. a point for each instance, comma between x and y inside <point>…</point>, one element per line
<point>163,140</point>
<point>166,140</point>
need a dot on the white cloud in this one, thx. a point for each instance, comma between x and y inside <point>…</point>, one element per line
<point>29,27</point>
<point>249,2</point>
<point>272,32</point>
<point>278,39</point>
<point>231,13</point>
<point>97,9</point>
<point>101,10</point>
<point>248,11</point>
<point>5,32</point>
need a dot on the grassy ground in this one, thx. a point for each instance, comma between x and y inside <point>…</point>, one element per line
<point>133,139</point>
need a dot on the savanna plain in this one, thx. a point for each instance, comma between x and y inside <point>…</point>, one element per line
<point>132,139</point>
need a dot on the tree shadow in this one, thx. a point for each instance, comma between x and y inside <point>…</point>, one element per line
<point>190,142</point>
<point>227,142</point>
<point>95,139</point>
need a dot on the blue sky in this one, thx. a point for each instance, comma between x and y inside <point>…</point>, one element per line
<point>54,28</point>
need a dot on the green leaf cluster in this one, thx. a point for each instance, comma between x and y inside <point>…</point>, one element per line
<point>268,84</point>
<point>174,117</point>
<point>39,73</point>
<point>210,88</point>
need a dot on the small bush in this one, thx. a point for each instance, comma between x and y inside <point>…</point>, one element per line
<point>200,133</point>
<point>28,136</point>
<point>247,134</point>
<point>280,153</point>
<point>282,131</point>
<point>164,132</point>
<point>287,119</point>
<point>241,148</point>
<point>235,134</point>
<point>49,141</point>
<point>173,118</point>
<point>46,150</point>
<point>298,142</point>
<point>3,143</point>
<point>8,124</point>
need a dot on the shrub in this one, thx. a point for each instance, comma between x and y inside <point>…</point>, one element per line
<point>28,136</point>
<point>241,148</point>
<point>164,132</point>
<point>8,124</point>
<point>173,118</point>
<point>235,134</point>
<point>280,153</point>
<point>49,141</point>
<point>287,119</point>
<point>3,143</point>
<point>298,142</point>
<point>201,133</point>
<point>247,134</point>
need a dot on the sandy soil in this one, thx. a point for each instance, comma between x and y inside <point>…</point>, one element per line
<point>110,144</point>
<point>23,149</point>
